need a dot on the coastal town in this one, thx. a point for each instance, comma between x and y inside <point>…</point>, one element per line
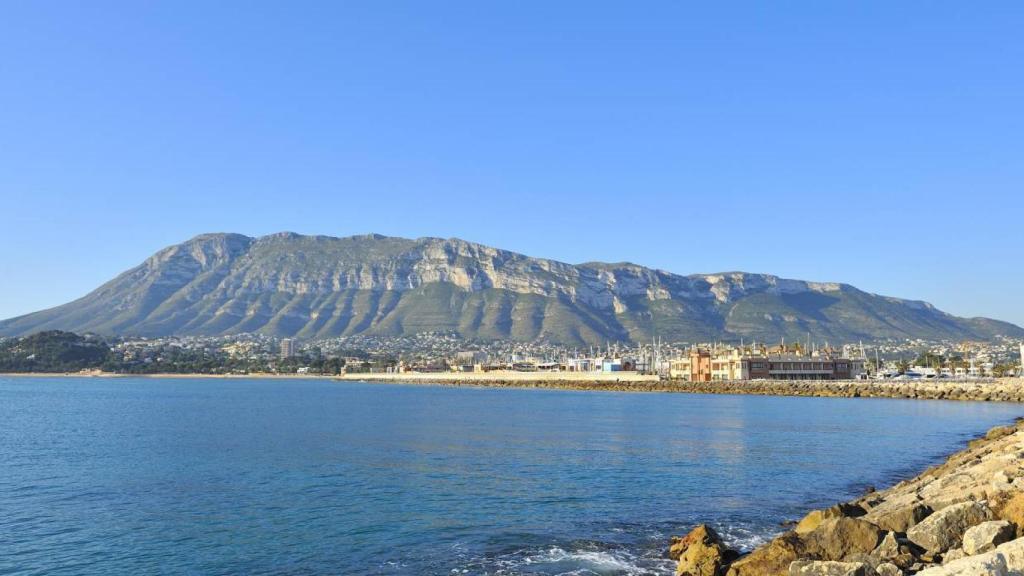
<point>447,353</point>
<point>438,352</point>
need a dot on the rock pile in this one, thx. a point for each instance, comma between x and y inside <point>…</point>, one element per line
<point>1002,390</point>
<point>962,518</point>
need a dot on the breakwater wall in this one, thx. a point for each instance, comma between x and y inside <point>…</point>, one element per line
<point>1001,390</point>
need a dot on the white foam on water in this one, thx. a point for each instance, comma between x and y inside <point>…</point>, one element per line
<point>595,558</point>
<point>746,538</point>
<point>604,561</point>
<point>558,561</point>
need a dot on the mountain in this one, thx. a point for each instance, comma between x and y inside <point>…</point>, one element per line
<point>318,286</point>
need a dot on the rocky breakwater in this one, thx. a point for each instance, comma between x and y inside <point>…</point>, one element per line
<point>1002,390</point>
<point>964,517</point>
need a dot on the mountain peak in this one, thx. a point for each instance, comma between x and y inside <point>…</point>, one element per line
<point>288,284</point>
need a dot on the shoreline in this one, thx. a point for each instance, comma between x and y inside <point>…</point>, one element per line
<point>1001,390</point>
<point>961,517</point>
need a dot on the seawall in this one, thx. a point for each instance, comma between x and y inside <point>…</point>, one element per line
<point>1002,390</point>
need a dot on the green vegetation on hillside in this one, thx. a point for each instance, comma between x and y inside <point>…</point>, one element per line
<point>287,285</point>
<point>55,351</point>
<point>52,351</point>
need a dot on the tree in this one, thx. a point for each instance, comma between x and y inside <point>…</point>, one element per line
<point>902,366</point>
<point>930,360</point>
<point>1001,370</point>
<point>53,351</point>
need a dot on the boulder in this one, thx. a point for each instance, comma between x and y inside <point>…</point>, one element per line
<point>904,561</point>
<point>1013,554</point>
<point>888,548</point>
<point>828,568</point>
<point>953,555</point>
<point>902,519</point>
<point>986,536</point>
<point>772,559</point>
<point>700,553</point>
<point>1006,560</point>
<point>1000,432</point>
<point>837,538</point>
<point>1012,510</point>
<point>866,559</point>
<point>991,564</point>
<point>945,529</point>
<point>887,569</point>
<point>815,517</point>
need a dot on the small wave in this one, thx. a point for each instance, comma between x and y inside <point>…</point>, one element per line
<point>746,537</point>
<point>600,562</point>
<point>577,561</point>
<point>641,554</point>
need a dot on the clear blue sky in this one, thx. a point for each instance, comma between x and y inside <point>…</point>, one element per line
<point>875,143</point>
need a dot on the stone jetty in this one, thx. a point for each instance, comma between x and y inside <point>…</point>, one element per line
<point>964,517</point>
<point>1001,390</point>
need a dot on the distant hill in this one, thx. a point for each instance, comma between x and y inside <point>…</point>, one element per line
<point>318,286</point>
<point>52,351</point>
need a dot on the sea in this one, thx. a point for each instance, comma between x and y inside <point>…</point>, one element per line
<point>317,477</point>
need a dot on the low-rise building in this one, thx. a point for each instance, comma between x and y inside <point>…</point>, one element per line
<point>704,365</point>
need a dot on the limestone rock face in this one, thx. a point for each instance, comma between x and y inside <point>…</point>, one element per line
<point>772,559</point>
<point>888,548</point>
<point>887,569</point>
<point>700,553</point>
<point>828,568</point>
<point>953,555</point>
<point>902,519</point>
<point>1013,553</point>
<point>815,517</point>
<point>945,529</point>
<point>322,287</point>
<point>1006,560</point>
<point>986,536</point>
<point>1012,510</point>
<point>837,538</point>
<point>985,565</point>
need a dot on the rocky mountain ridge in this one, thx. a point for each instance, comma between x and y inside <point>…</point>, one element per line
<point>288,284</point>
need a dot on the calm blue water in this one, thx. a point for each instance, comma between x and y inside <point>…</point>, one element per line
<point>142,476</point>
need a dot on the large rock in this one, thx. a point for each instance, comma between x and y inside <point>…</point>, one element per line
<point>772,559</point>
<point>888,569</point>
<point>953,555</point>
<point>888,548</point>
<point>815,517</point>
<point>837,538</point>
<point>945,529</point>
<point>986,536</point>
<point>1012,510</point>
<point>984,565</point>
<point>1013,553</point>
<point>902,519</point>
<point>700,553</point>
<point>829,568</point>
<point>1006,560</point>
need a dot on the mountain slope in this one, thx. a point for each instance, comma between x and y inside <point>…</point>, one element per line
<point>318,286</point>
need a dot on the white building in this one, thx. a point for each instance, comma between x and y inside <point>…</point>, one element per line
<point>287,348</point>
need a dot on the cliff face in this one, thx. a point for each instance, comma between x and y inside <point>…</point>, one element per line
<point>317,286</point>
